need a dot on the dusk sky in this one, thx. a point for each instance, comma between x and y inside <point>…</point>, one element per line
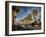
<point>25,11</point>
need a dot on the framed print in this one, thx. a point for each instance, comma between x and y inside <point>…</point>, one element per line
<point>24,18</point>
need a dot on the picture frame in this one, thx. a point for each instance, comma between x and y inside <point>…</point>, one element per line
<point>17,24</point>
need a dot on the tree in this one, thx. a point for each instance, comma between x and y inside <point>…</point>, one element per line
<point>15,10</point>
<point>29,17</point>
<point>34,12</point>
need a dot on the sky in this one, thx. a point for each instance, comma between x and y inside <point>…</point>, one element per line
<point>25,11</point>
